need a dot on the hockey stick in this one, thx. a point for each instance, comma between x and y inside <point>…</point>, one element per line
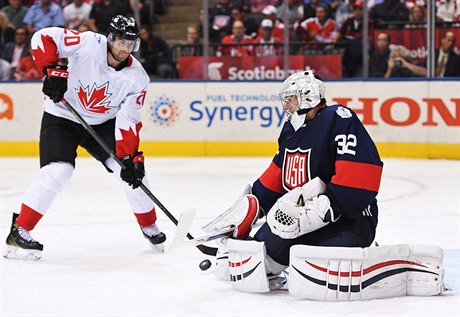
<point>185,222</point>
<point>226,233</point>
<point>204,249</point>
<point>214,236</point>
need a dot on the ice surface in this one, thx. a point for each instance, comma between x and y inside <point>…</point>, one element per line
<point>96,262</point>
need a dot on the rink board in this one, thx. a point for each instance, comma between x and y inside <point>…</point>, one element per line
<point>416,119</point>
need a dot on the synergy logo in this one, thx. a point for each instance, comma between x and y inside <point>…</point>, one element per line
<point>164,111</point>
<point>262,109</point>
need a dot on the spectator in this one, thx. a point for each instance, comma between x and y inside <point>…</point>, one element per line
<point>416,17</point>
<point>333,6</point>
<point>308,10</point>
<point>250,24</point>
<point>389,11</point>
<point>244,4</point>
<point>214,35</point>
<point>76,13</point>
<point>290,12</point>
<point>155,55</point>
<point>101,14</point>
<point>15,12</point>
<point>5,70</point>
<point>6,30</point>
<point>27,69</point>
<point>378,57</point>
<point>278,25</point>
<point>448,10</point>
<point>220,16</point>
<point>266,41</point>
<point>351,32</point>
<point>258,6</point>
<point>222,7</point>
<point>447,61</point>
<point>319,29</point>
<point>411,3</point>
<point>14,51</point>
<point>344,11</point>
<point>400,64</point>
<point>193,45</point>
<point>237,37</point>
<point>44,13</point>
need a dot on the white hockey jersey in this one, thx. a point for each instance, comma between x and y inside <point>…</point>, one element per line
<point>97,91</point>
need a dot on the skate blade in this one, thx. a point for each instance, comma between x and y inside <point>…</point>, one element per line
<point>12,252</point>
<point>158,248</point>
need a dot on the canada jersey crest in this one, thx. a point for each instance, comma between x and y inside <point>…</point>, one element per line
<point>296,168</point>
<point>94,99</point>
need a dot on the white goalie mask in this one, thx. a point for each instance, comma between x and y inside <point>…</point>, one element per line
<point>308,89</point>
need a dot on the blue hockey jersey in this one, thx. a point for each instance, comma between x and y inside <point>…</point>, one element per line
<point>336,147</point>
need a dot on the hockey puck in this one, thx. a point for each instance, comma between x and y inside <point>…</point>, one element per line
<point>205,264</point>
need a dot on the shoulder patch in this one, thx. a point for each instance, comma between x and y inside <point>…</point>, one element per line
<point>343,112</point>
<point>98,37</point>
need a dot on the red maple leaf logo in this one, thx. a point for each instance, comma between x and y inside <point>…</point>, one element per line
<point>129,142</point>
<point>44,52</point>
<point>94,99</point>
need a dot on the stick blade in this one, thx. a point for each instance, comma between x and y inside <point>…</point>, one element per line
<point>183,227</point>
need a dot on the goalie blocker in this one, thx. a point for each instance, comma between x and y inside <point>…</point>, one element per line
<point>341,274</point>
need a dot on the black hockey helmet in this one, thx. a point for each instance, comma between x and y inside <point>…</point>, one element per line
<point>125,28</point>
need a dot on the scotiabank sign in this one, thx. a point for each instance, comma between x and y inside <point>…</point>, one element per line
<point>259,68</point>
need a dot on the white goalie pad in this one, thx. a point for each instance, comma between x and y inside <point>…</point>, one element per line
<point>247,266</point>
<point>221,268</point>
<point>349,274</point>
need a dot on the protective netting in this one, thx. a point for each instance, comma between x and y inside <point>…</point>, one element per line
<point>284,219</point>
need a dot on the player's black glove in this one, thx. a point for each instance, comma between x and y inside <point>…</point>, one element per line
<point>134,172</point>
<point>55,84</point>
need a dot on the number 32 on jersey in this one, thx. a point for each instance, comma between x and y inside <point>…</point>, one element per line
<point>346,143</point>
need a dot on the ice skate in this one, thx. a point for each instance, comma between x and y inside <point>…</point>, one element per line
<point>276,281</point>
<point>20,244</point>
<point>155,236</point>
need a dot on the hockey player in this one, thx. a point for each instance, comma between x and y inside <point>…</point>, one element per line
<point>319,191</point>
<point>107,87</point>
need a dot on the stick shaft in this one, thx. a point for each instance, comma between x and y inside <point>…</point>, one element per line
<point>205,249</point>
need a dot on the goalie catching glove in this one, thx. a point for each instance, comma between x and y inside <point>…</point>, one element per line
<point>55,83</point>
<point>241,216</point>
<point>300,211</point>
<point>134,171</point>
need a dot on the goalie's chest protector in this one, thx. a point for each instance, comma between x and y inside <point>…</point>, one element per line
<point>313,149</point>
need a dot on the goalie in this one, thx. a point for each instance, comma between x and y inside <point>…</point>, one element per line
<point>319,198</point>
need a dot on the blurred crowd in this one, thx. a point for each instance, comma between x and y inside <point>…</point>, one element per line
<point>243,28</point>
